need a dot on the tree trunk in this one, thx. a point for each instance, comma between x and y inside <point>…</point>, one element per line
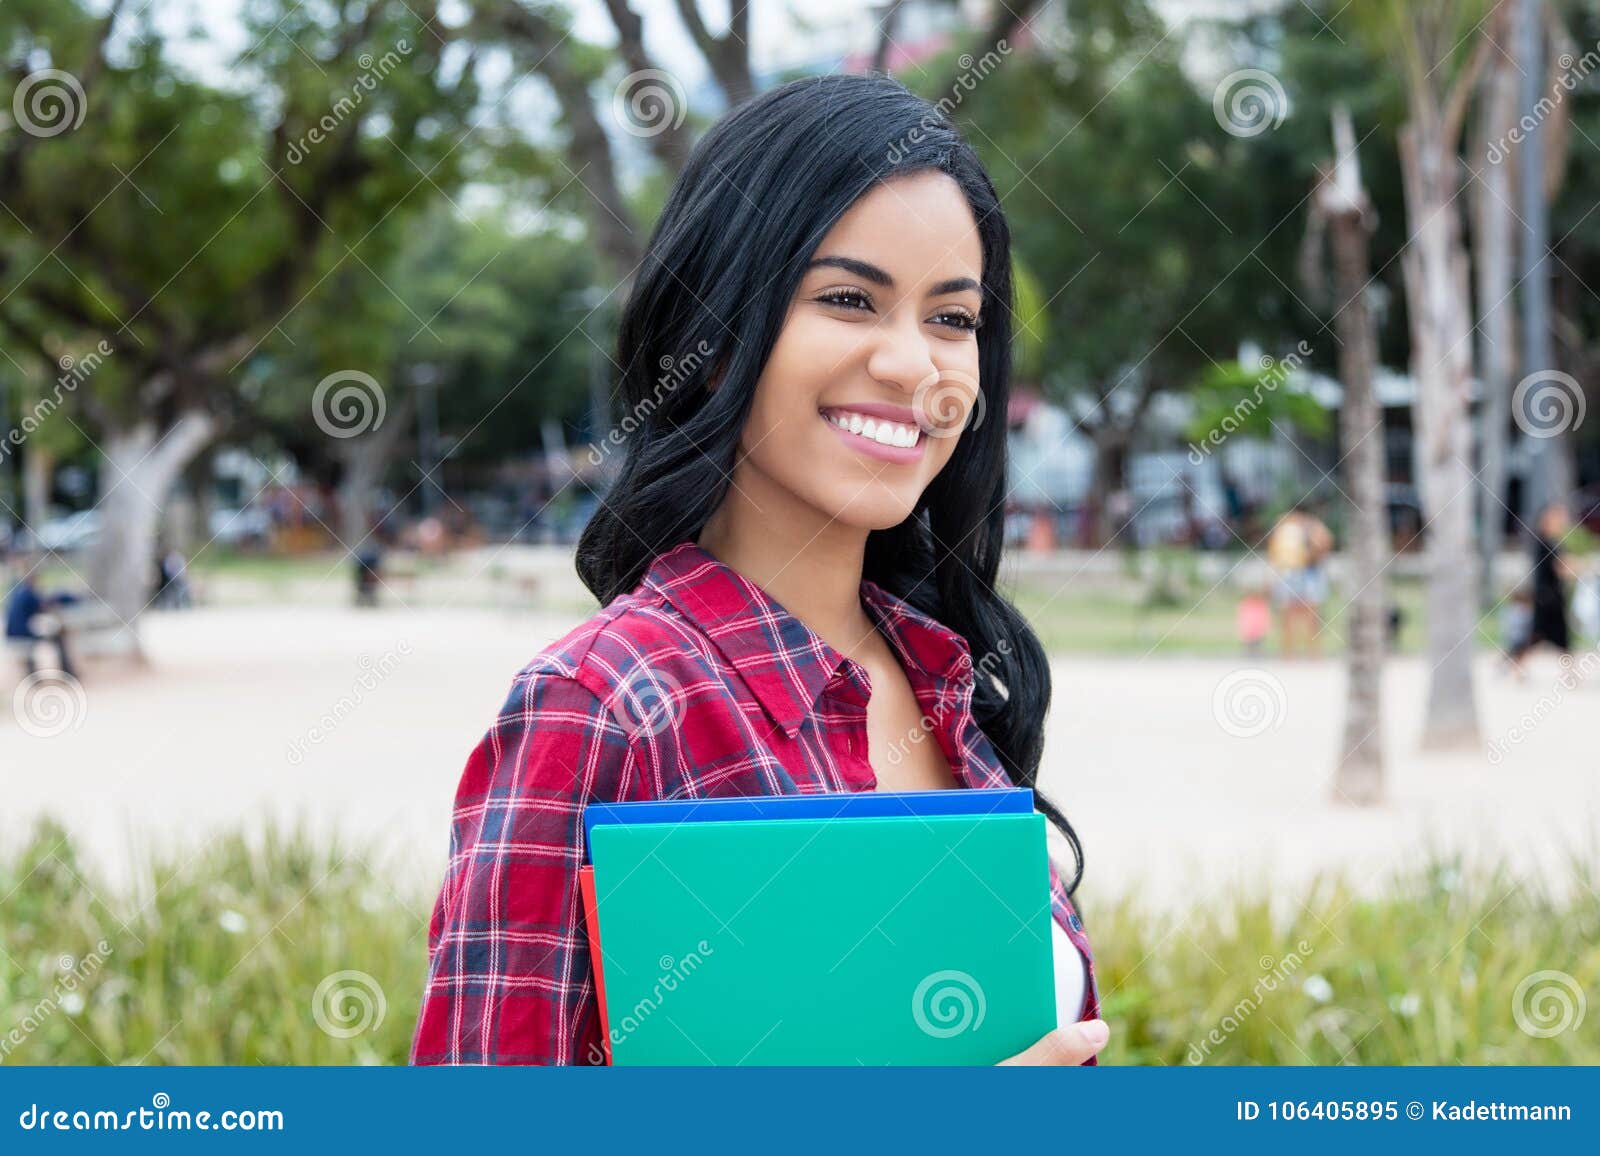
<point>364,460</point>
<point>38,476</point>
<point>1494,229</point>
<point>1105,480</point>
<point>1435,269</point>
<point>140,466</point>
<point>1360,774</point>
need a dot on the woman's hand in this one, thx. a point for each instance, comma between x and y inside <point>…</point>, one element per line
<point>1066,1046</point>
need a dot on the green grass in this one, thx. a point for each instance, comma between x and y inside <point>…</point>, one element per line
<point>223,964</point>
<point>220,966</point>
<point>1095,618</point>
<point>1426,973</point>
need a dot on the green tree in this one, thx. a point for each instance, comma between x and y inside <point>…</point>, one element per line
<point>183,223</point>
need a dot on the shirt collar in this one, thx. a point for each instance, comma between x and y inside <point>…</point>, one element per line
<point>783,661</point>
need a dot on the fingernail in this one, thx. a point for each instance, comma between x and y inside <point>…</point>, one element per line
<point>1097,1032</point>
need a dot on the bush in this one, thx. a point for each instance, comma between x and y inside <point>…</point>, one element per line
<point>285,949</point>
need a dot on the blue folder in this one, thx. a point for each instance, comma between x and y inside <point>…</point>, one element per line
<point>863,804</point>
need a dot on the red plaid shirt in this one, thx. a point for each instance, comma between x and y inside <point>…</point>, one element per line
<point>695,684</point>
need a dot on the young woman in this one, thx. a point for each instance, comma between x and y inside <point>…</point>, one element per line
<point>796,564</point>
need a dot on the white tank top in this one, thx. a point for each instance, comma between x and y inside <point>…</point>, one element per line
<point>1071,977</point>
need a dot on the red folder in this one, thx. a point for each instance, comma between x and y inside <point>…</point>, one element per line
<point>591,917</point>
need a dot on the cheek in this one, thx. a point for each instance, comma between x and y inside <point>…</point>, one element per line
<point>794,377</point>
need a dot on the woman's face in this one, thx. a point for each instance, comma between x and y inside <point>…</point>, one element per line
<point>875,372</point>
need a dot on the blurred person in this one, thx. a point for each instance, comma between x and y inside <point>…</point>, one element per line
<point>1295,551</point>
<point>172,581</point>
<point>30,622</point>
<point>369,571</point>
<point>1548,582</point>
<point>840,246</point>
<point>1516,625</point>
<point>1253,619</point>
<point>1586,606</point>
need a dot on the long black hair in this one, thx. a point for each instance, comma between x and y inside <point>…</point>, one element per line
<point>754,200</point>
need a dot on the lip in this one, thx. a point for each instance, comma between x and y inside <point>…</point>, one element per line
<point>897,455</point>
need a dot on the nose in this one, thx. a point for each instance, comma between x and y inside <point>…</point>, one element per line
<point>901,357</point>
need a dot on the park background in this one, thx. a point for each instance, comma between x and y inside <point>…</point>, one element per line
<point>289,284</point>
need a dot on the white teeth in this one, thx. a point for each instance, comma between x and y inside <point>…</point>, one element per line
<point>885,433</point>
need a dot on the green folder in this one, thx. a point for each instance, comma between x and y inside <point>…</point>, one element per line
<point>907,940</point>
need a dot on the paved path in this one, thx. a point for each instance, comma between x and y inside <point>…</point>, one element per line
<point>241,717</point>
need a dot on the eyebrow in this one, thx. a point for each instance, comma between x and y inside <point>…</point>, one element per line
<point>870,272</point>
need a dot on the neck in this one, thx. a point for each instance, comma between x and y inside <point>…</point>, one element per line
<point>809,563</point>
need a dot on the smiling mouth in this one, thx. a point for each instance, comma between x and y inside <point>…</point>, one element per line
<point>877,430</point>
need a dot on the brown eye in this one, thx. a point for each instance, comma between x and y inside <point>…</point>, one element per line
<point>847,299</point>
<point>956,319</point>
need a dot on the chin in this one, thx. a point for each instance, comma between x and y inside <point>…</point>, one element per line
<point>875,508</point>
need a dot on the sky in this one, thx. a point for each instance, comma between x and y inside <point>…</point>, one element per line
<point>779,34</point>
